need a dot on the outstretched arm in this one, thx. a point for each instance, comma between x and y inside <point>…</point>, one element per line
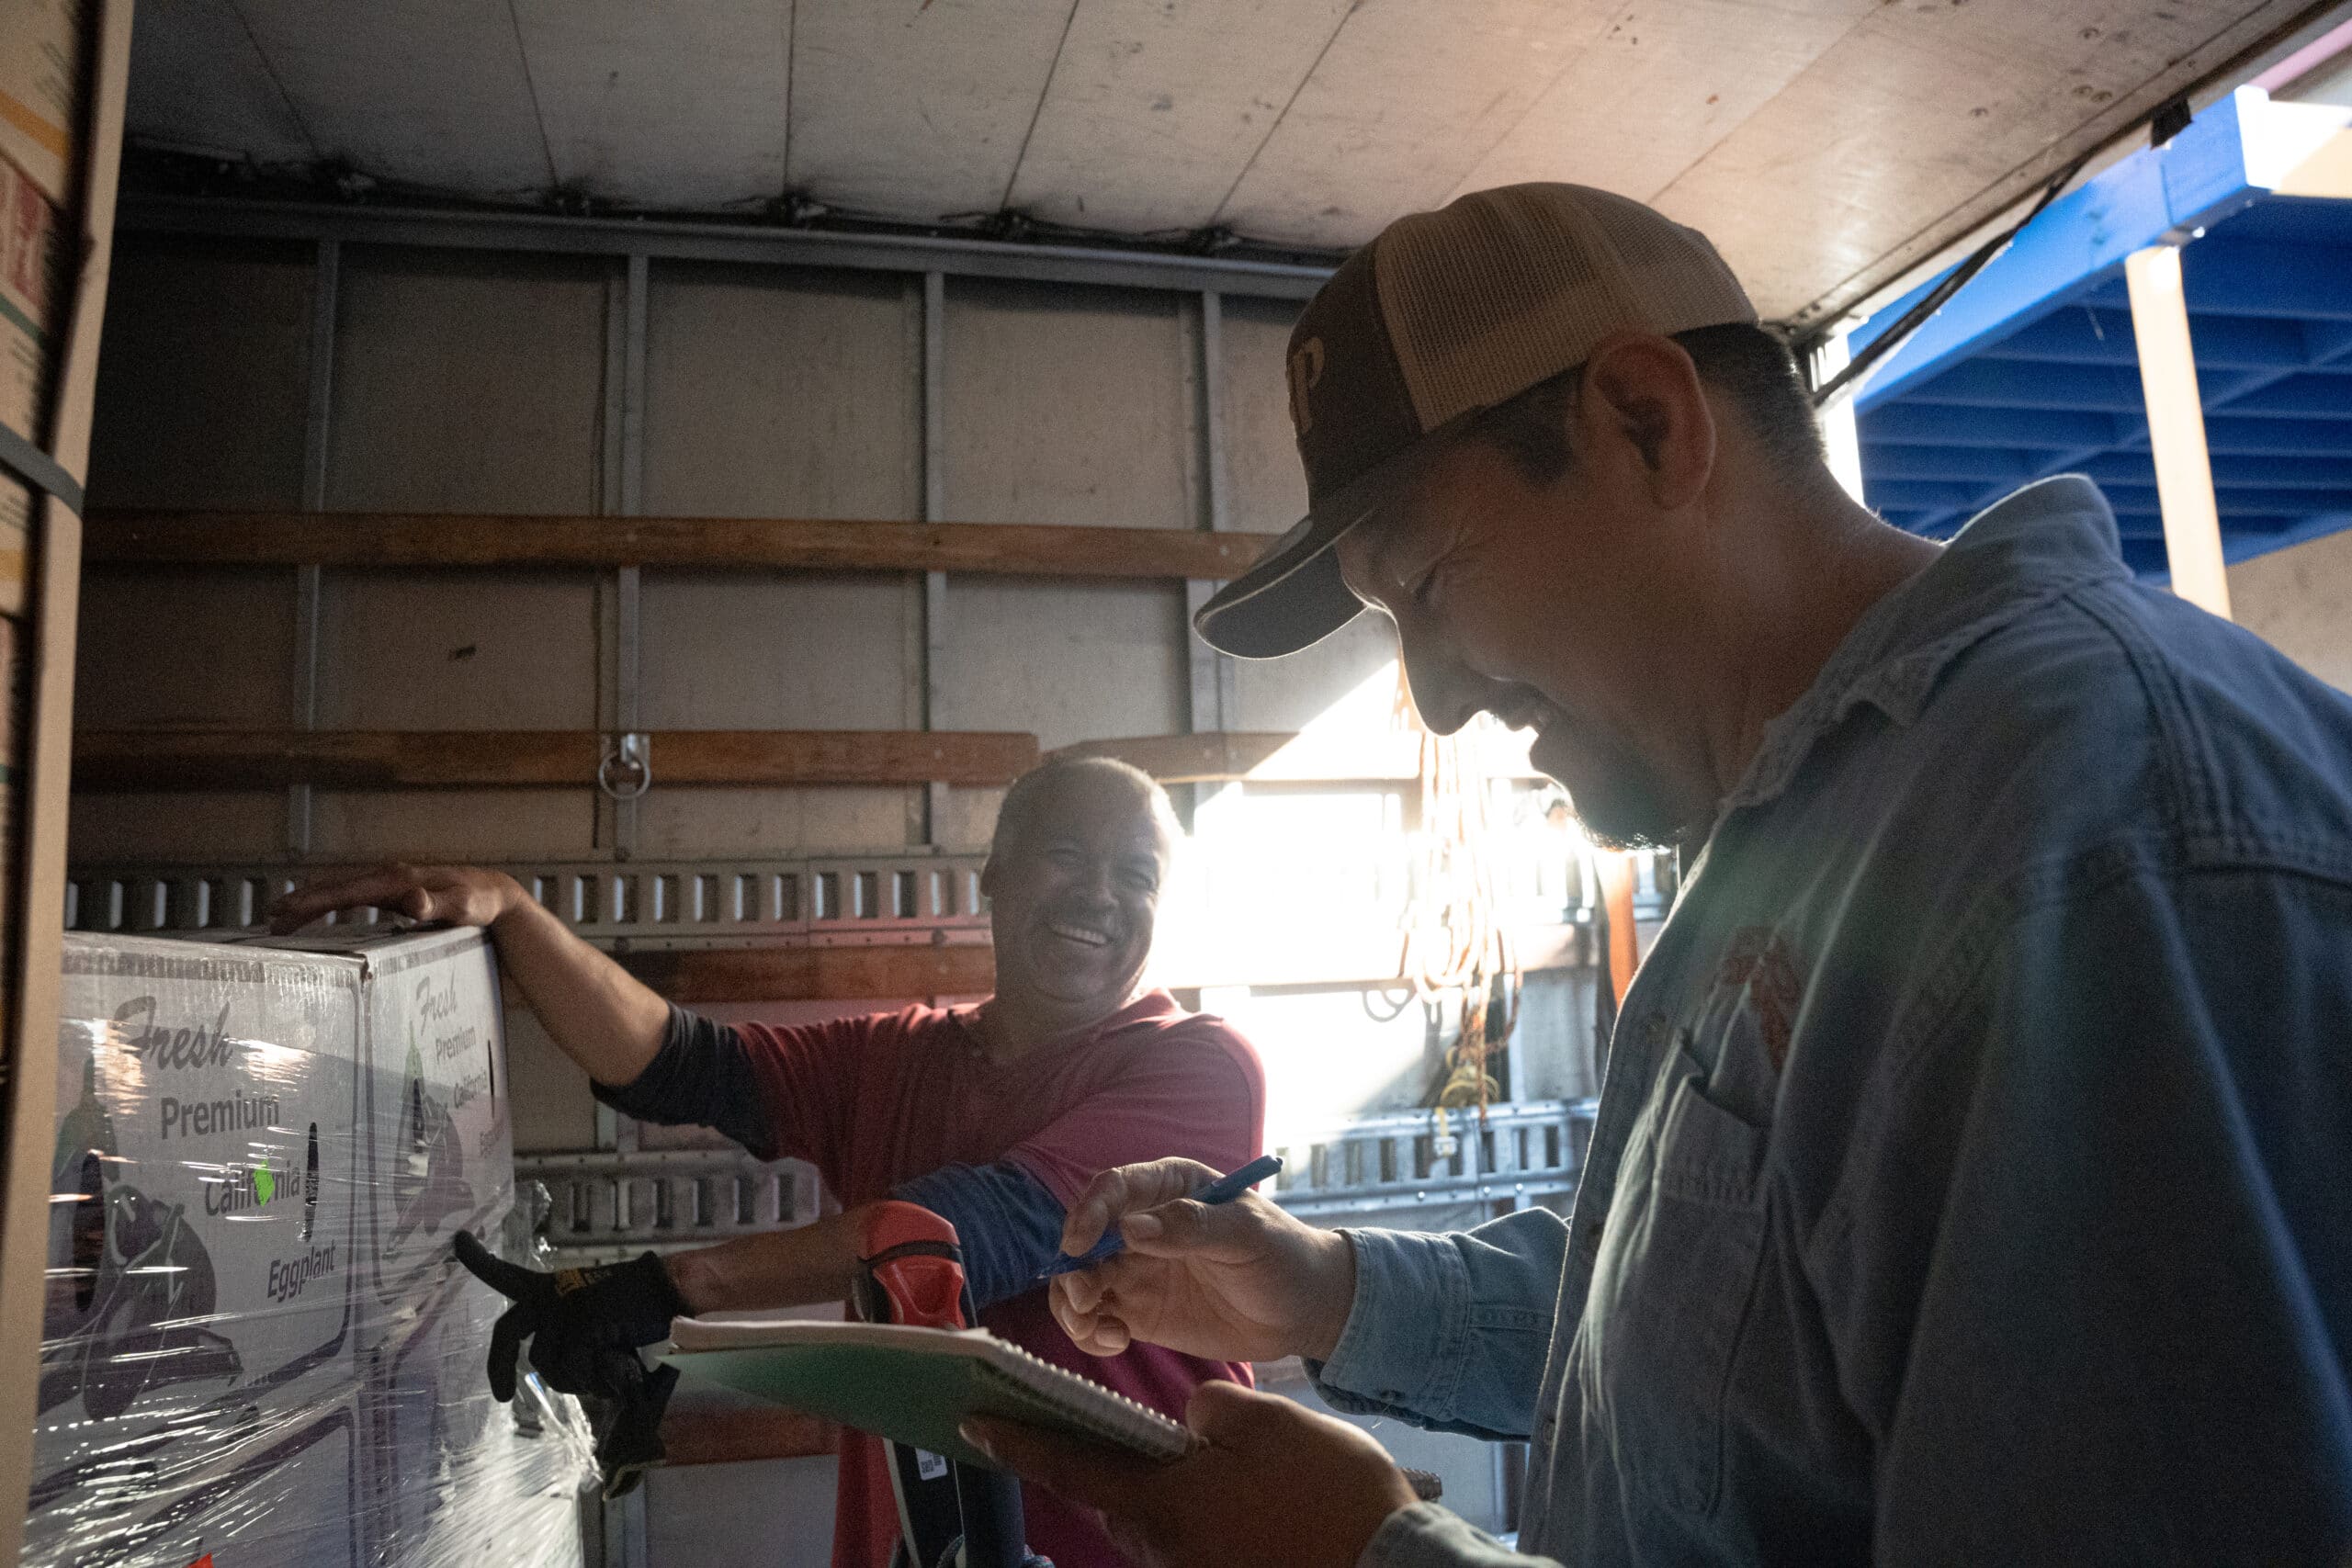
<point>602,1018</point>
<point>1006,1223</point>
<point>802,1266</point>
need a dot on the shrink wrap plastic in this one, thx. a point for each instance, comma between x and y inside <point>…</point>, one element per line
<point>258,1350</point>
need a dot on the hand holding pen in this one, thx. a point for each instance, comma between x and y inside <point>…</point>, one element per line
<point>1224,1190</point>
<point>1235,1280</point>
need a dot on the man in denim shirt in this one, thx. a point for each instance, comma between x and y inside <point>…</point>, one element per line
<point>1972,1180</point>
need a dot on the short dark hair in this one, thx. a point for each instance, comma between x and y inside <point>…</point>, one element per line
<point>1015,817</point>
<point>1751,367</point>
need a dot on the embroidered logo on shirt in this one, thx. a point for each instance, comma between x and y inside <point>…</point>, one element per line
<point>1762,963</point>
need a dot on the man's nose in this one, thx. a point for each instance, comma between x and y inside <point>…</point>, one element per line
<point>1097,884</point>
<point>1447,693</point>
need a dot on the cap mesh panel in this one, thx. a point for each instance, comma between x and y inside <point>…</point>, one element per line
<point>1503,288</point>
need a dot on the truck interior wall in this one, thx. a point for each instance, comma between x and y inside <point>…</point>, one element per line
<point>467,382</point>
<point>2299,600</point>
<point>1265,490</point>
<point>781,394</point>
<point>462,383</point>
<point>1071,405</point>
<point>232,318</point>
<point>1068,661</point>
<point>551,1106</point>
<point>230,321</point>
<point>478,382</point>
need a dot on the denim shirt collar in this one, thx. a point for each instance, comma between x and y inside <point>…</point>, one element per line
<point>2044,540</point>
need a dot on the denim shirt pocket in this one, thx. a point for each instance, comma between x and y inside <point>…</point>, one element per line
<point>1674,1292</point>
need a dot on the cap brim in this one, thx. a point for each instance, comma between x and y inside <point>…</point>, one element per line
<point>1294,597</point>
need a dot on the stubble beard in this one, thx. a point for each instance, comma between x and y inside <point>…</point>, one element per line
<point>1620,800</point>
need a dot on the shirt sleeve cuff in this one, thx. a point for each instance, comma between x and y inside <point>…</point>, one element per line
<point>1426,1536</point>
<point>1407,1335</point>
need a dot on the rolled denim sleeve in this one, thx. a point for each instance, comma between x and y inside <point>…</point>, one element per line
<point>1426,1536</point>
<point>1450,1332</point>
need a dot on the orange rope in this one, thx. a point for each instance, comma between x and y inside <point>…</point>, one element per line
<point>1455,941</point>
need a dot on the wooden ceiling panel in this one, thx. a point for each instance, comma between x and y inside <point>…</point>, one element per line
<point>1929,115</point>
<point>1658,87</point>
<point>1407,101</point>
<point>1828,146</point>
<point>429,93</point>
<point>197,82</point>
<point>1156,109</point>
<point>681,107</point>
<point>917,108</point>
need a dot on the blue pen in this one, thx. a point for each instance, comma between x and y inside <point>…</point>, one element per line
<point>1224,1190</point>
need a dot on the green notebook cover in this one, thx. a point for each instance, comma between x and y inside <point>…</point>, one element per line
<point>915,1385</point>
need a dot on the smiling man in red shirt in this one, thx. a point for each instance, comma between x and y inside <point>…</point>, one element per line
<point>995,1116</point>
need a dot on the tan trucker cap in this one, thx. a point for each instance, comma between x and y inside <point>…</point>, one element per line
<point>1444,315</point>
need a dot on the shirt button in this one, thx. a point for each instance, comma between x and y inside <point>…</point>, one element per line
<point>1392,1396</point>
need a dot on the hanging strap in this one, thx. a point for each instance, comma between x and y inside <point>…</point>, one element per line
<point>39,470</point>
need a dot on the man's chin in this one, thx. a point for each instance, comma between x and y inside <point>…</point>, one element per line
<point>1619,806</point>
<point>1093,988</point>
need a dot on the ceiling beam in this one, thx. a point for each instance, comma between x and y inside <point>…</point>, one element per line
<point>2237,278</point>
<point>2080,335</point>
<point>1989,381</point>
<point>2054,430</point>
<point>756,244</point>
<point>2316,474</point>
<point>1882,462</point>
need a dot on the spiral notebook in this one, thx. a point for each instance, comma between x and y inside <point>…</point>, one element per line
<point>916,1385</point>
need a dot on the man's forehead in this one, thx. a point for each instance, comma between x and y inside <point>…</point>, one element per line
<point>1097,800</point>
<point>1378,556</point>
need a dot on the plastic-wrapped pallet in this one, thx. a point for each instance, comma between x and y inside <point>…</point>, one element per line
<point>258,1347</point>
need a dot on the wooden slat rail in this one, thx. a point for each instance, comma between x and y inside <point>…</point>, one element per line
<point>698,975</point>
<point>448,759</point>
<point>815,973</point>
<point>432,539</point>
<point>1278,757</point>
<point>1207,757</point>
<point>221,759</point>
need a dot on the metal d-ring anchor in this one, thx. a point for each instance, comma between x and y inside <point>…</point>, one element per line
<point>626,769</point>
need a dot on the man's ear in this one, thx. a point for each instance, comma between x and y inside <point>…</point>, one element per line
<point>1644,389</point>
<point>988,877</point>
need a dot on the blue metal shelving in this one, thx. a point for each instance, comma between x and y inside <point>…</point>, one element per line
<point>2031,369</point>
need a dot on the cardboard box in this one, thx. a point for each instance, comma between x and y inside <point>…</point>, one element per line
<point>41,66</point>
<point>32,254</point>
<point>278,1496</point>
<point>440,1141</point>
<point>32,288</point>
<point>30,291</point>
<point>459,1478</point>
<point>206,1219</point>
<point>262,1154</point>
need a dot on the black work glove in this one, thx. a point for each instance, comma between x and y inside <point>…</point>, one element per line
<point>584,1324</point>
